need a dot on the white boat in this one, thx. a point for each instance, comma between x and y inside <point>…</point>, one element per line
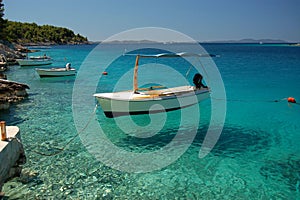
<point>55,72</point>
<point>137,101</point>
<point>39,57</point>
<point>3,68</point>
<point>3,63</point>
<point>35,61</point>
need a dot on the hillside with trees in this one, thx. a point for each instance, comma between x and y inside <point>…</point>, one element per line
<point>31,33</point>
<point>2,21</point>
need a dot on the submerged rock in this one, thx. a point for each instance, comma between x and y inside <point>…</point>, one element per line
<point>28,176</point>
<point>11,92</point>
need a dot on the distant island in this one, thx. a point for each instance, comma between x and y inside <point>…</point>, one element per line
<point>242,41</point>
<point>249,40</point>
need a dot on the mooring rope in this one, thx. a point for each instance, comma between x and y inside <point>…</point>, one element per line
<point>288,99</point>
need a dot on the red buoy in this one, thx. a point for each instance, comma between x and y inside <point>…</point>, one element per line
<point>104,73</point>
<point>291,100</point>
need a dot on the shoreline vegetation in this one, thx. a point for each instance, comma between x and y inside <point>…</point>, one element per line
<point>31,34</point>
<point>16,37</point>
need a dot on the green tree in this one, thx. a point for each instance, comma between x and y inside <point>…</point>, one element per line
<point>1,9</point>
<point>2,21</point>
<point>22,33</point>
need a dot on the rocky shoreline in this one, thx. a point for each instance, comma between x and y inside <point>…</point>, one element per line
<point>11,92</point>
<point>17,51</point>
<point>11,51</point>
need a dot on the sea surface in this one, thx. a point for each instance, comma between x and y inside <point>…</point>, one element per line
<point>256,157</point>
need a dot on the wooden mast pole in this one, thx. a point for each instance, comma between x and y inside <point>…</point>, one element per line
<point>135,74</point>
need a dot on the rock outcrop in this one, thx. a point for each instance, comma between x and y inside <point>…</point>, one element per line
<point>11,92</point>
<point>11,52</point>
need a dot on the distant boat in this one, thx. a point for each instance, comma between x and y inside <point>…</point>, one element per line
<point>55,72</point>
<point>3,63</point>
<point>40,47</point>
<point>3,68</point>
<point>35,61</point>
<point>144,100</point>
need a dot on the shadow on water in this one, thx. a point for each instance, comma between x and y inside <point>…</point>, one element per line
<point>64,79</point>
<point>234,141</point>
<point>10,117</point>
<point>147,144</point>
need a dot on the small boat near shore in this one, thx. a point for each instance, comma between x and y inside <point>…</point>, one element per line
<point>35,61</point>
<point>55,72</point>
<point>3,63</point>
<point>3,68</point>
<point>144,101</point>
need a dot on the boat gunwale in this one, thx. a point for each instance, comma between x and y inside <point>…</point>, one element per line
<point>54,69</point>
<point>43,76</point>
<point>156,98</point>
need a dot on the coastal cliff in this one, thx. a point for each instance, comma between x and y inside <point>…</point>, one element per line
<point>11,92</point>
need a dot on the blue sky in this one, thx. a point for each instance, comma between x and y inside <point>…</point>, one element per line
<point>203,20</point>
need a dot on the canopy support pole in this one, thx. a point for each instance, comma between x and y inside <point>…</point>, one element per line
<point>135,74</point>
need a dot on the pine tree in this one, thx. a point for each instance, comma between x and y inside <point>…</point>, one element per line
<point>2,21</point>
<point>1,9</point>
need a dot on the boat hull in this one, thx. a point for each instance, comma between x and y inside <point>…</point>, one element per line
<point>3,67</point>
<point>55,72</point>
<point>34,62</point>
<point>135,104</point>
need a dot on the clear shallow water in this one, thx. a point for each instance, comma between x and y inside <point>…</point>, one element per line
<point>256,157</point>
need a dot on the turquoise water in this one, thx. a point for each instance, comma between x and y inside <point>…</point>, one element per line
<point>256,157</point>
